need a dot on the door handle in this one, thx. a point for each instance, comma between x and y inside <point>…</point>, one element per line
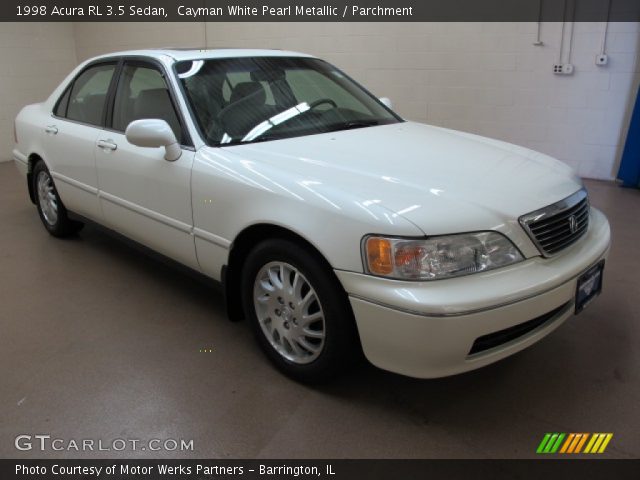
<point>107,145</point>
<point>52,129</point>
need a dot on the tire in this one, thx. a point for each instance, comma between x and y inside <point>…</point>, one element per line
<point>53,214</point>
<point>305,324</point>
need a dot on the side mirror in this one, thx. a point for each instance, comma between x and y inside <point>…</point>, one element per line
<point>386,102</point>
<point>154,133</point>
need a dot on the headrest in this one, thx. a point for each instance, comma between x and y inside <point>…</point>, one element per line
<point>253,92</point>
<point>153,103</point>
<point>156,103</point>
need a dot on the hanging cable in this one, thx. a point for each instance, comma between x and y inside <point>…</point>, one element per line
<point>538,41</point>
<point>573,23</point>
<point>564,17</point>
<point>603,49</point>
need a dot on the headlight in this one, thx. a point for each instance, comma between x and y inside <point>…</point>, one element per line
<point>438,257</point>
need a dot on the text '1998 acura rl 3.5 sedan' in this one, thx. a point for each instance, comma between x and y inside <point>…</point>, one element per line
<point>335,226</point>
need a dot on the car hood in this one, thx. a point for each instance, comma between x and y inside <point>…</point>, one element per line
<point>441,180</point>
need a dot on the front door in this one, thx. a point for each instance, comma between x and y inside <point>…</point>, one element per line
<point>143,196</point>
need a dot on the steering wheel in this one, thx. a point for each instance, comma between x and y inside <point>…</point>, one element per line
<point>322,101</point>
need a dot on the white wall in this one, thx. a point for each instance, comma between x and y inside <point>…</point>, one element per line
<point>97,38</point>
<point>35,57</point>
<point>485,78</point>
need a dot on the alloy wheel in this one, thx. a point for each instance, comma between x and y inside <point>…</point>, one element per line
<point>289,312</point>
<point>47,198</point>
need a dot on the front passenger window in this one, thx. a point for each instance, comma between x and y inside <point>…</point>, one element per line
<point>143,93</point>
<point>88,94</point>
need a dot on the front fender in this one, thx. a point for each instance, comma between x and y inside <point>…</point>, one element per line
<point>230,194</point>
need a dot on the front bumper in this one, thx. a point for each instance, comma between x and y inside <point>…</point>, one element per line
<point>427,329</point>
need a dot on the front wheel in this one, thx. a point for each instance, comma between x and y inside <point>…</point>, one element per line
<point>299,313</point>
<point>50,208</point>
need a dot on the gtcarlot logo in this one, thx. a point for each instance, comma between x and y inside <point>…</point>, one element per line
<point>44,442</point>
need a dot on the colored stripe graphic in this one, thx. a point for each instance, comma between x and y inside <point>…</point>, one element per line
<point>544,441</point>
<point>567,442</point>
<point>591,443</point>
<point>598,442</point>
<point>605,442</point>
<point>573,443</point>
<point>547,448</point>
<point>576,439</point>
<point>550,443</point>
<point>581,442</point>
<point>556,446</point>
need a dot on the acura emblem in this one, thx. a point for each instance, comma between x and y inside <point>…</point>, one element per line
<point>573,224</point>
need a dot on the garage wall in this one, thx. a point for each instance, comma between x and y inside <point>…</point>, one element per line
<point>35,57</point>
<point>97,38</point>
<point>485,78</point>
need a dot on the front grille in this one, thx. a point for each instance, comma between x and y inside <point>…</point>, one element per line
<point>496,339</point>
<point>555,227</point>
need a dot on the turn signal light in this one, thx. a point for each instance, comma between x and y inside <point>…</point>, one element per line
<point>379,256</point>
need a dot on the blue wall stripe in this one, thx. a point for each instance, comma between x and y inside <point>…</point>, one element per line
<point>629,172</point>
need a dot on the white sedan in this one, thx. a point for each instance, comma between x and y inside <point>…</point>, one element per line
<point>335,226</point>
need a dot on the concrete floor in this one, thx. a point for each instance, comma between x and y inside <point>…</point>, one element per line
<point>98,341</point>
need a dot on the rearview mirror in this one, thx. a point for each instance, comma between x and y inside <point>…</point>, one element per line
<point>386,102</point>
<point>154,133</point>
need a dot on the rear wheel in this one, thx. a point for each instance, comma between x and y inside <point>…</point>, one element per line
<point>50,208</point>
<point>299,313</point>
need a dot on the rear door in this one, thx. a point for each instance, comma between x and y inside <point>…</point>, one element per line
<point>70,137</point>
<point>142,195</point>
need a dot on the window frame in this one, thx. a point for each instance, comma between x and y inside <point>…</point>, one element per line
<point>107,113</point>
<point>69,89</point>
<point>146,62</point>
<point>66,94</point>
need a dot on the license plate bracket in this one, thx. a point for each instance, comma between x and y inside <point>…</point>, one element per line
<point>589,286</point>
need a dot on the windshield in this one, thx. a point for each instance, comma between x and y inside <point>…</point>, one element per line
<point>253,99</point>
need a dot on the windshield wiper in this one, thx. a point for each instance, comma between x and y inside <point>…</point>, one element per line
<point>331,128</point>
<point>352,124</point>
<point>239,141</point>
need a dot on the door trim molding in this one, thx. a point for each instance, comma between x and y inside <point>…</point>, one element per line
<point>158,217</point>
<point>75,183</point>
<point>165,220</point>
<point>211,238</point>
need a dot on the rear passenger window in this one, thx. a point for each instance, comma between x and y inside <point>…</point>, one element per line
<point>143,93</point>
<point>88,94</point>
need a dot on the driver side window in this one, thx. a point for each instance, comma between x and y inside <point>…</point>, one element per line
<point>143,93</point>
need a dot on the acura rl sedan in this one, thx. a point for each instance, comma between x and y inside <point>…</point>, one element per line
<point>336,227</point>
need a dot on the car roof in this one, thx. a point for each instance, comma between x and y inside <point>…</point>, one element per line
<point>178,54</point>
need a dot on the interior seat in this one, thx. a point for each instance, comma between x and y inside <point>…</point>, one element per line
<point>89,110</point>
<point>156,103</point>
<point>247,108</point>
